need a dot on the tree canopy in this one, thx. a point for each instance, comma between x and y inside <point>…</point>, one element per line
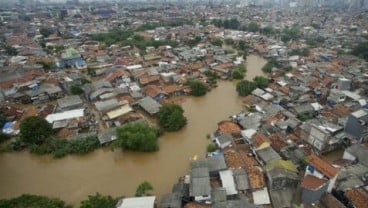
<point>137,136</point>
<point>143,189</point>
<point>260,81</point>
<point>76,89</point>
<point>239,72</point>
<point>253,27</point>
<point>232,23</point>
<point>99,201</point>
<point>46,32</point>
<point>33,201</point>
<point>245,87</point>
<point>361,50</point>
<point>290,34</point>
<point>170,117</point>
<point>217,42</point>
<point>34,130</point>
<point>198,88</point>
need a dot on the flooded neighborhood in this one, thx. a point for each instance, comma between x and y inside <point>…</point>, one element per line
<point>183,104</point>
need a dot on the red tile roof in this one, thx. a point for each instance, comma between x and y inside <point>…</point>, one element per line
<point>116,74</point>
<point>322,166</point>
<point>358,197</point>
<point>312,183</point>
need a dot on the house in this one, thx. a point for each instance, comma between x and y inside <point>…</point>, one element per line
<point>267,154</point>
<point>69,103</point>
<point>351,177</point>
<point>199,187</point>
<point>107,136</point>
<point>241,180</point>
<point>259,141</point>
<point>219,197</point>
<point>55,118</point>
<point>172,200</point>
<point>155,92</point>
<point>357,125</point>
<point>137,202</point>
<point>227,181</point>
<point>228,127</point>
<point>281,174</point>
<point>325,137</point>
<point>282,182</point>
<point>313,188</point>
<point>90,89</point>
<point>322,170</point>
<point>358,153</point>
<point>223,140</point>
<point>120,111</point>
<point>107,105</point>
<point>358,197</point>
<point>149,105</point>
<point>261,197</point>
<point>215,164</point>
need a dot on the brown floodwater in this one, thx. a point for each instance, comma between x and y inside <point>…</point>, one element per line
<point>254,66</point>
<point>118,173</point>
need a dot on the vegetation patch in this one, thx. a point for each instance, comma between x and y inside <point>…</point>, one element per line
<point>137,137</point>
<point>171,117</point>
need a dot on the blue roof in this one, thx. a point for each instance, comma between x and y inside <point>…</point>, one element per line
<point>8,125</point>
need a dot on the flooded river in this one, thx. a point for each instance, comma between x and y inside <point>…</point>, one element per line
<point>118,173</point>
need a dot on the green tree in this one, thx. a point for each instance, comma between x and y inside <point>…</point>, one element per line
<point>268,30</point>
<point>33,201</point>
<point>198,88</point>
<point>34,130</point>
<point>216,42</point>
<point>253,27</point>
<point>76,89</point>
<point>260,81</point>
<point>211,147</point>
<point>242,45</point>
<point>267,68</point>
<point>170,117</point>
<point>99,201</point>
<point>46,31</point>
<point>11,51</point>
<point>139,137</point>
<point>245,87</point>
<point>143,189</point>
<point>290,34</point>
<point>237,74</point>
<point>361,50</point>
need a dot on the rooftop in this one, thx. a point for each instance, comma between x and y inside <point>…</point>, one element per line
<point>312,183</point>
<point>322,166</point>
<point>358,197</point>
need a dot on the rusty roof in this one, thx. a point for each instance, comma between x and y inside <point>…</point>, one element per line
<point>233,159</point>
<point>259,139</point>
<point>322,166</point>
<point>228,127</point>
<point>358,197</point>
<point>312,182</point>
<point>256,178</point>
<point>196,205</point>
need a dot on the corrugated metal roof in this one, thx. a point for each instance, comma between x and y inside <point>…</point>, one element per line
<point>119,112</point>
<point>137,202</point>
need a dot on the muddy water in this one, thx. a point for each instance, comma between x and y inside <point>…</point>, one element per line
<point>254,65</point>
<point>118,173</point>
